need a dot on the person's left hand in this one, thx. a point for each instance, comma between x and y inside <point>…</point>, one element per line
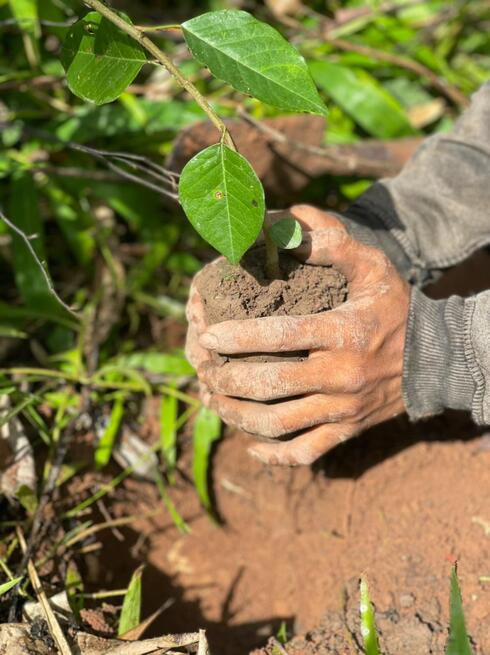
<point>352,378</point>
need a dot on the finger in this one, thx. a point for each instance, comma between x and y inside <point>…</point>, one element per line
<point>205,395</point>
<point>276,333</point>
<point>312,218</point>
<point>195,354</point>
<point>309,217</point>
<point>195,311</point>
<point>271,381</point>
<point>333,246</point>
<point>276,420</point>
<point>304,449</point>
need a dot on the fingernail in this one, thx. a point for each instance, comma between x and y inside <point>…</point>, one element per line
<point>208,340</point>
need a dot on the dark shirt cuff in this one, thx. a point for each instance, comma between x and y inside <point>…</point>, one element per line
<point>436,374</point>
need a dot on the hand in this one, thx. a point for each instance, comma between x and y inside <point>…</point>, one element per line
<point>310,218</point>
<point>352,378</point>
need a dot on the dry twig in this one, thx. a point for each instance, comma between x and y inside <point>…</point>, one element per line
<point>52,621</point>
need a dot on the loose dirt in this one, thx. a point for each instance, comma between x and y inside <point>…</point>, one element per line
<point>400,503</point>
<point>240,292</point>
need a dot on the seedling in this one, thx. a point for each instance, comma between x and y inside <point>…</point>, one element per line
<point>219,190</point>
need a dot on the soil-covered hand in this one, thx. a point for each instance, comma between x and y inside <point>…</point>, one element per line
<point>352,378</point>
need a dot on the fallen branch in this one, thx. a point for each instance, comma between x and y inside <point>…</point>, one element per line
<point>350,163</point>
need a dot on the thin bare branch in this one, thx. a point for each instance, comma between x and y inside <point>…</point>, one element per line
<point>39,263</point>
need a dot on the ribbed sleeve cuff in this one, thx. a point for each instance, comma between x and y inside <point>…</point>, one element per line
<point>436,374</point>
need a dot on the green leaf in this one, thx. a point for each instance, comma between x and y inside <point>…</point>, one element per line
<point>361,96</point>
<point>368,622</point>
<point>156,363</point>
<point>7,586</point>
<point>458,643</point>
<point>27,498</point>
<point>254,58</point>
<point>286,233</point>
<point>131,609</point>
<point>223,199</point>
<point>168,430</point>
<point>207,429</point>
<point>100,61</point>
<point>106,443</point>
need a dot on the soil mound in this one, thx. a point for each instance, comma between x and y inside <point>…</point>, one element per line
<point>240,292</point>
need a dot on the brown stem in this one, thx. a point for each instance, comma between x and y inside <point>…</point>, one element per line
<point>138,35</point>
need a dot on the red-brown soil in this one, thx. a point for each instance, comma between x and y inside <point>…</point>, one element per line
<point>399,504</point>
<point>244,291</point>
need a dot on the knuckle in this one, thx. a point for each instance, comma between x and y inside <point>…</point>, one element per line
<point>356,407</point>
<point>357,380</point>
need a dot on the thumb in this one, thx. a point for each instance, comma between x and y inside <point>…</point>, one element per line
<point>332,246</point>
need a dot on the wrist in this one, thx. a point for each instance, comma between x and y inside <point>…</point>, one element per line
<point>436,373</point>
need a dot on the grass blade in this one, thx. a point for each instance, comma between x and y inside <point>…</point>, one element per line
<point>131,609</point>
<point>368,622</point>
<point>7,586</point>
<point>207,429</point>
<point>459,642</point>
<point>105,446</point>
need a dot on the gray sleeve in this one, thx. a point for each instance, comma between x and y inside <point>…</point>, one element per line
<point>447,356</point>
<point>436,212</point>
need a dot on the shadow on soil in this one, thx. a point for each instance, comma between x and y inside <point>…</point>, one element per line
<point>117,561</point>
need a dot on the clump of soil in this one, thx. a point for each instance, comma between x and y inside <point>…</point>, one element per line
<point>241,292</point>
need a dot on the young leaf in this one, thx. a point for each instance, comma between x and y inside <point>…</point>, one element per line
<point>207,429</point>
<point>100,61</point>
<point>106,443</point>
<point>254,58</point>
<point>286,233</point>
<point>362,96</point>
<point>131,609</point>
<point>7,586</point>
<point>223,199</point>
<point>458,643</point>
<point>368,623</point>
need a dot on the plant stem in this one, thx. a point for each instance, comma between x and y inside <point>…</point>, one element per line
<point>138,35</point>
<point>272,269</point>
<point>159,28</point>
